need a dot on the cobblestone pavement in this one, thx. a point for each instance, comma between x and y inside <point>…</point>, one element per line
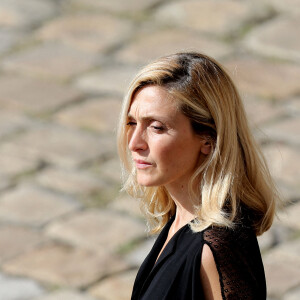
<point>65,231</point>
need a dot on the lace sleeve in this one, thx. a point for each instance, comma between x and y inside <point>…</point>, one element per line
<point>238,260</point>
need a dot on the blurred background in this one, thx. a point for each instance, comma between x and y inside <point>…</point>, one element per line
<point>66,233</point>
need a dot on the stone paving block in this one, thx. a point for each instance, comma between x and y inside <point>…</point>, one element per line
<point>16,239</point>
<point>282,273</point>
<point>97,114</point>
<point>33,206</point>
<point>137,256</point>
<point>285,131</point>
<point>50,60</point>
<point>88,32</point>
<point>13,288</point>
<point>13,164</point>
<point>287,6</point>
<point>65,295</point>
<point>16,13</point>
<point>110,170</point>
<point>100,230</point>
<point>111,79</point>
<point>149,46</point>
<point>64,265</point>
<point>294,294</point>
<point>277,38</point>
<point>117,287</point>
<point>213,17</point>
<point>116,6</point>
<point>290,217</point>
<point>266,240</point>
<point>260,111</point>
<point>19,93</point>
<point>11,122</point>
<point>289,250</point>
<point>283,162</point>
<point>293,106</point>
<point>264,78</point>
<point>73,182</point>
<point>8,38</point>
<point>62,146</point>
<point>127,204</point>
<point>4,183</point>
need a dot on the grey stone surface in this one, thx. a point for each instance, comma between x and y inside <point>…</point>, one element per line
<point>115,287</point>
<point>116,6</point>
<point>282,273</point>
<point>50,60</point>
<point>8,38</point>
<point>127,204</point>
<point>64,265</point>
<point>16,13</point>
<point>65,66</point>
<point>24,94</point>
<point>288,6</point>
<point>285,131</point>
<point>278,38</point>
<point>293,106</point>
<point>293,294</point>
<point>260,111</point>
<point>63,147</point>
<point>15,163</point>
<point>14,288</point>
<point>33,206</point>
<point>290,216</point>
<point>281,158</point>
<point>65,294</point>
<point>150,45</point>
<point>16,239</point>
<point>91,229</point>
<point>89,32</point>
<point>111,79</point>
<point>263,78</point>
<point>213,17</point>
<point>138,254</point>
<point>11,123</point>
<point>72,182</point>
<point>110,170</point>
<point>97,114</point>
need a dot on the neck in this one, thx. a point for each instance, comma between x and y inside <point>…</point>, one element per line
<point>184,206</point>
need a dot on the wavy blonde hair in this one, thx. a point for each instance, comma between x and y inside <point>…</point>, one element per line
<point>234,175</point>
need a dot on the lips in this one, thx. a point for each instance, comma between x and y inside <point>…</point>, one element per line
<point>142,164</point>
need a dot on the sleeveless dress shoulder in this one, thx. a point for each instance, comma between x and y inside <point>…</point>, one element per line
<point>176,274</point>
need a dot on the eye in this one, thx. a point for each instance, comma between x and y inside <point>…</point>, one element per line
<point>158,128</point>
<point>131,123</point>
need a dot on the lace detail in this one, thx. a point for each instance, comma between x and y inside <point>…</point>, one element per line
<point>238,261</point>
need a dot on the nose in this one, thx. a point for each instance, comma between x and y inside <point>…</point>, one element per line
<point>136,140</point>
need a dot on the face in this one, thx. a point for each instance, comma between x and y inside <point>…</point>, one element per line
<point>163,145</point>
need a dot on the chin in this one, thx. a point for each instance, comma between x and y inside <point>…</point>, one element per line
<point>147,183</point>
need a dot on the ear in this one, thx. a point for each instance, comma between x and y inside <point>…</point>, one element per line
<point>205,147</point>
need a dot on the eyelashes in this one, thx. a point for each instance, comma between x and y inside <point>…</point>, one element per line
<point>158,128</point>
<point>130,123</point>
<point>155,128</point>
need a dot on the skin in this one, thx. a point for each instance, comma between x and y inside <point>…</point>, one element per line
<point>166,152</point>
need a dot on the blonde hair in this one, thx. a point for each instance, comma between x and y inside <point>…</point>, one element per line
<point>234,175</point>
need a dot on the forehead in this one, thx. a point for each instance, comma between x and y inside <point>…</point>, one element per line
<point>153,99</point>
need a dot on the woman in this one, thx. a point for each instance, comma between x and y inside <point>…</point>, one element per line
<point>188,154</point>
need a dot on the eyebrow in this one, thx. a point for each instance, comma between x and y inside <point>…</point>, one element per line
<point>150,117</point>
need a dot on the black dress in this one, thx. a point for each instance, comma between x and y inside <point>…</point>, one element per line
<point>176,274</point>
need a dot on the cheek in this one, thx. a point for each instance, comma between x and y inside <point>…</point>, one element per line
<point>170,154</point>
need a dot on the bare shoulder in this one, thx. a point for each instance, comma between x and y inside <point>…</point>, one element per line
<point>209,275</point>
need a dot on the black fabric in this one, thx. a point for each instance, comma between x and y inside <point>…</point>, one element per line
<point>176,274</point>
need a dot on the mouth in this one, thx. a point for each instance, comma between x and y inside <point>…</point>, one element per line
<point>142,164</point>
